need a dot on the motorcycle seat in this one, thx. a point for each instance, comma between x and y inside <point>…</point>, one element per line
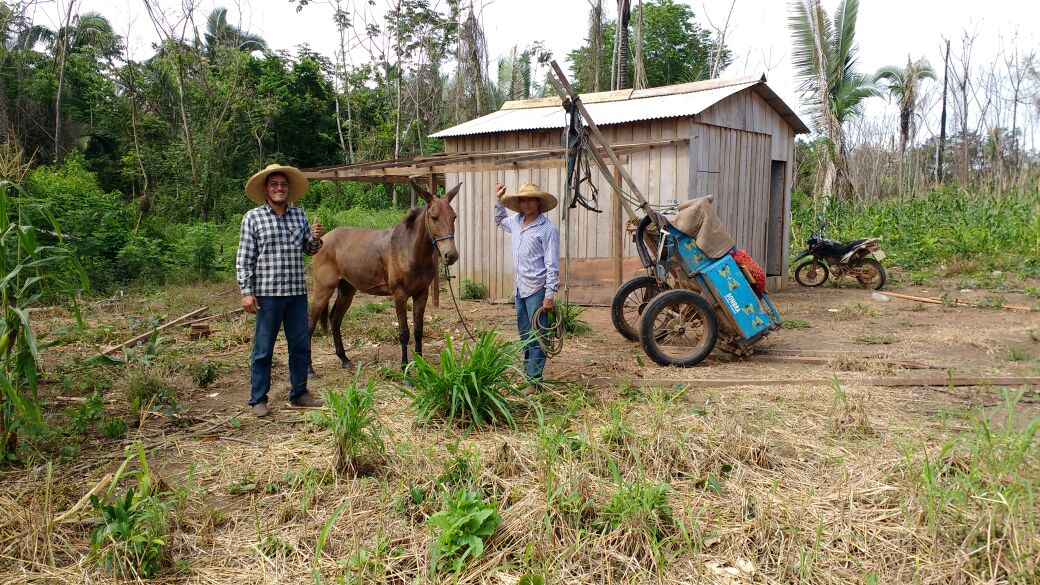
<point>842,250</point>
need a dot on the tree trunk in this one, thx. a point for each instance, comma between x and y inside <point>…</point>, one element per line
<point>940,151</point>
<point>62,54</point>
<point>621,50</point>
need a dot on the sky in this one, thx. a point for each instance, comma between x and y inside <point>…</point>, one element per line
<point>888,30</point>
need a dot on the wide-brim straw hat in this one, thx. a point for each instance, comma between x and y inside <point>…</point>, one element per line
<point>256,186</point>
<point>546,201</point>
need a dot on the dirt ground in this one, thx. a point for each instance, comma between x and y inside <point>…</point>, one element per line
<point>792,434</point>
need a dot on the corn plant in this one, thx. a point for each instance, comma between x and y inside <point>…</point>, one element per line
<point>29,272</point>
<point>460,528</point>
<point>350,415</point>
<point>472,384</point>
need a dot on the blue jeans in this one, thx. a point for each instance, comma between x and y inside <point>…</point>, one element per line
<point>534,357</point>
<point>273,313</point>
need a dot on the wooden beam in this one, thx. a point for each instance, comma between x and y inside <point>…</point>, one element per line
<point>157,329</point>
<point>945,381</point>
<point>564,88</point>
<point>959,303</point>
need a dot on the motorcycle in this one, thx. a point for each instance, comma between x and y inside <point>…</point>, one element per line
<point>860,259</point>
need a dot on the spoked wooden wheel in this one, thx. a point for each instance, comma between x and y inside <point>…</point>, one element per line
<point>630,302</point>
<point>678,328</point>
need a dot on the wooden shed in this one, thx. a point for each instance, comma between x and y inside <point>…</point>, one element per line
<point>733,138</point>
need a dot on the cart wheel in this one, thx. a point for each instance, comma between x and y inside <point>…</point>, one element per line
<point>678,328</point>
<point>630,302</point>
<point>869,273</point>
<point>811,273</point>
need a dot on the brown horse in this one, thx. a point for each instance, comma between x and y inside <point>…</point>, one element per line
<point>397,262</point>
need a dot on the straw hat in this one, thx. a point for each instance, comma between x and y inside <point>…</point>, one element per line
<point>512,200</point>
<point>256,186</point>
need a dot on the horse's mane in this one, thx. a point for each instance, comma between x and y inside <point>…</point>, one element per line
<point>413,214</point>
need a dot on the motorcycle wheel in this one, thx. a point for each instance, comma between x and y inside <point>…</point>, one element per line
<point>678,328</point>
<point>869,272</point>
<point>812,273</point>
<point>630,301</point>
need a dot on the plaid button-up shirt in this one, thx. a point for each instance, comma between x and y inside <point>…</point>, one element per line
<point>269,260</point>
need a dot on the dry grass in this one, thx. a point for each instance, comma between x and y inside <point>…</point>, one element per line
<point>631,484</point>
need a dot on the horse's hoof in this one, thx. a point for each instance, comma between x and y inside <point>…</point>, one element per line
<point>311,374</point>
<point>347,364</point>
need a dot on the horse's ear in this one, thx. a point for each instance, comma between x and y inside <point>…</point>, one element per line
<point>454,191</point>
<point>422,192</point>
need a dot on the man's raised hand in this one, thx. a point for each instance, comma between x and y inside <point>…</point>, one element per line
<point>316,230</point>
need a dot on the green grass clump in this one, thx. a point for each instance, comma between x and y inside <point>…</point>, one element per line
<point>573,324</point>
<point>796,324</point>
<point>461,526</point>
<point>350,415</point>
<point>472,291</point>
<point>470,385</point>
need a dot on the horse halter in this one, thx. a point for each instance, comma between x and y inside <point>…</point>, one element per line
<point>429,232</point>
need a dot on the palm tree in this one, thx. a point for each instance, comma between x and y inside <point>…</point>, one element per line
<point>825,59</point>
<point>221,34</point>
<point>904,84</point>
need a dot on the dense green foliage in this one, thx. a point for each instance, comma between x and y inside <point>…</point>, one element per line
<point>944,228</point>
<point>676,49</point>
<point>460,529</point>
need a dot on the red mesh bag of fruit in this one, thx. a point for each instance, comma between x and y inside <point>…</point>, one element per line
<point>744,261</point>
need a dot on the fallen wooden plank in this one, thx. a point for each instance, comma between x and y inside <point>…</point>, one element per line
<point>917,381</point>
<point>211,317</point>
<point>959,303</point>
<point>825,360</point>
<point>149,334</point>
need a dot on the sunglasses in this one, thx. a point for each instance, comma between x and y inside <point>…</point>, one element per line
<point>278,184</point>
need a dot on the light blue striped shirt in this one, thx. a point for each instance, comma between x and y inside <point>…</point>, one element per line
<point>536,252</point>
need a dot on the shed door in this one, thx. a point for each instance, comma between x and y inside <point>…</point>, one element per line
<point>734,165</point>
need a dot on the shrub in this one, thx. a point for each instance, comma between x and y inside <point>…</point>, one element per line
<point>460,529</point>
<point>141,260</point>
<point>196,250</point>
<point>470,290</point>
<point>470,385</point>
<point>350,414</point>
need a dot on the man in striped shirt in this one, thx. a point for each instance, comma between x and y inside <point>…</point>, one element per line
<point>536,263</point>
<point>269,263</point>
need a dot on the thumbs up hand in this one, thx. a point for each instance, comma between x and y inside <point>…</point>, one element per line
<point>316,230</point>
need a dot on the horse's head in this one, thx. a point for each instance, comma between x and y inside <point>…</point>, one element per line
<point>439,222</point>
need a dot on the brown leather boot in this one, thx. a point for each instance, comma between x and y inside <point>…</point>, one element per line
<point>260,409</point>
<point>306,401</point>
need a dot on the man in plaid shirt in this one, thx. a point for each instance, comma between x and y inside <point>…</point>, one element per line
<point>270,275</point>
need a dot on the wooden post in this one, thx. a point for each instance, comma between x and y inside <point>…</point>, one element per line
<point>435,286</point>
<point>619,230</point>
<point>563,87</point>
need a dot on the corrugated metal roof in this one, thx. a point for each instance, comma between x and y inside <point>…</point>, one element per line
<point>604,113</point>
<point>619,111</point>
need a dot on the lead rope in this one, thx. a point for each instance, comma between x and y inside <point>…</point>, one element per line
<point>447,276</point>
<point>550,337</point>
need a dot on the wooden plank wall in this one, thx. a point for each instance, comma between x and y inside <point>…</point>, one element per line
<point>746,111</point>
<point>485,253</point>
<point>733,165</point>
